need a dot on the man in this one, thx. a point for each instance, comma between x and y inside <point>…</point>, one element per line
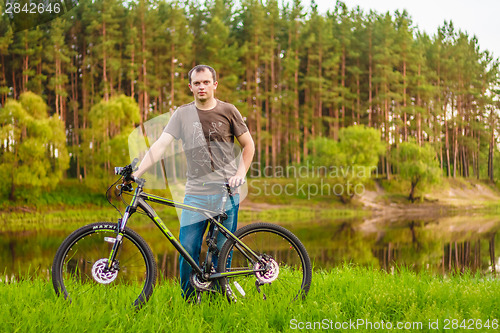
<point>207,128</point>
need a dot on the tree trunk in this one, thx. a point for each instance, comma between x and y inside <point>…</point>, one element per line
<point>104,63</point>
<point>447,140</point>
<point>257,103</point>
<point>305,118</point>
<point>4,81</point>
<point>343,85</point>
<point>491,147</point>
<point>411,197</point>
<point>405,120</point>
<point>296,97</point>
<point>132,62</point>
<point>370,75</point>
<point>145,102</point>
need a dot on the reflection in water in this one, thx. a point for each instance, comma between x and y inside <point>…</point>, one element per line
<point>431,251</point>
<point>456,257</point>
<point>443,246</point>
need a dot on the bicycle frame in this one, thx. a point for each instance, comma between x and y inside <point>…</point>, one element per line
<point>140,199</point>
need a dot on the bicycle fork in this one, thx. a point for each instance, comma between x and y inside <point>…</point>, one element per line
<point>117,242</point>
<point>121,228</point>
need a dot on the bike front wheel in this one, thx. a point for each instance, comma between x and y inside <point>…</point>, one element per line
<point>283,272</point>
<point>80,273</point>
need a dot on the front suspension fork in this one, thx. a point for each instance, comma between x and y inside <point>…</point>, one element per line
<point>118,240</point>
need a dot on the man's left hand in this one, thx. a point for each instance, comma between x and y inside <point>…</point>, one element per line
<point>236,181</point>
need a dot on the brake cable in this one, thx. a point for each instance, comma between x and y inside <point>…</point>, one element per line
<point>107,197</point>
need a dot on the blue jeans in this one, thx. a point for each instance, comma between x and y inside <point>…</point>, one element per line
<point>194,225</point>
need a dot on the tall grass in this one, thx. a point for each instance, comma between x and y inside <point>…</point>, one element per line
<point>340,295</point>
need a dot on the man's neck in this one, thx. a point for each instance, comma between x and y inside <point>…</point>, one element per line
<point>207,105</point>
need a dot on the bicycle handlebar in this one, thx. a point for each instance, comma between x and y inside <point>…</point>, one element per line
<point>127,171</point>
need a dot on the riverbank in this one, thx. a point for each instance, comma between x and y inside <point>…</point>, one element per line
<point>361,299</point>
<point>380,199</point>
<point>388,201</point>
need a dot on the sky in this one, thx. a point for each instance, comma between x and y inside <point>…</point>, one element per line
<point>477,17</point>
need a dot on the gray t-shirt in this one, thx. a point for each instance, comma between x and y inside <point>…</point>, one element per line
<point>208,142</point>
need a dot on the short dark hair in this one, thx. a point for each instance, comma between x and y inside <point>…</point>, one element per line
<point>201,68</point>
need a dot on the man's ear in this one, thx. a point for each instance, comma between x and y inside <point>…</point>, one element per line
<point>215,84</point>
<point>190,88</point>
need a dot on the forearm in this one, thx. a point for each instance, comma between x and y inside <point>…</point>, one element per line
<point>154,154</point>
<point>246,160</point>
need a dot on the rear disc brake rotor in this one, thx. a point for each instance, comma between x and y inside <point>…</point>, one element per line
<point>269,275</point>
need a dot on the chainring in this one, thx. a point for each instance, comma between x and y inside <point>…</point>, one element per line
<point>198,284</point>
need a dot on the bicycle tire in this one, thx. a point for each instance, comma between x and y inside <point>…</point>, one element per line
<point>292,279</point>
<point>78,263</point>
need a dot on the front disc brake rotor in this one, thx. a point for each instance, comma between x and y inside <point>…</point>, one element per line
<point>101,274</point>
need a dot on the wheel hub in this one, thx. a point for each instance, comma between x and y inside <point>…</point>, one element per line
<point>101,274</point>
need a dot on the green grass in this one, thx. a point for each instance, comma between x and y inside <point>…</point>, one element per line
<point>340,295</point>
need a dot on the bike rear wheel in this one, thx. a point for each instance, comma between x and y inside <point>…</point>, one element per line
<point>79,271</point>
<point>288,273</point>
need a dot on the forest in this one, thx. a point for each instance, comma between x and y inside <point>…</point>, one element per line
<point>72,89</point>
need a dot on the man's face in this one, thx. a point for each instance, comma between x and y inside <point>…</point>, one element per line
<point>202,85</point>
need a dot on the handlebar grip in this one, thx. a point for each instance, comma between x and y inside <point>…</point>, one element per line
<point>127,170</point>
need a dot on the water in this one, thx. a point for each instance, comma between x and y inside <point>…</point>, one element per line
<point>439,245</point>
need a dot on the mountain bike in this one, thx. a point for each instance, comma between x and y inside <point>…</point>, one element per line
<point>109,261</point>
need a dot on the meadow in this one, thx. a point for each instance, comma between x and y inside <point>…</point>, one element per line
<point>348,298</point>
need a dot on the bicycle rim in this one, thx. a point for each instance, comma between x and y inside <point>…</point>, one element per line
<point>80,276</point>
<point>288,282</point>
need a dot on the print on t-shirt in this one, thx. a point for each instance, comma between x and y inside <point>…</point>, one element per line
<point>200,155</point>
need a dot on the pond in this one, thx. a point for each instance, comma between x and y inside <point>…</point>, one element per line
<point>439,245</point>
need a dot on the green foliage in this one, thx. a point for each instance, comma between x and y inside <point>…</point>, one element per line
<point>293,72</point>
<point>111,123</point>
<point>351,160</point>
<point>418,164</point>
<point>34,153</point>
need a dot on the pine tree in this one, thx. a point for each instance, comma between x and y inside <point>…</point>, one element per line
<point>59,57</point>
<point>385,78</point>
<point>290,81</point>
<point>107,38</point>
<point>331,68</point>
<point>404,45</point>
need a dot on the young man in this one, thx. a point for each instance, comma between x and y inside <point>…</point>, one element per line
<point>207,128</point>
